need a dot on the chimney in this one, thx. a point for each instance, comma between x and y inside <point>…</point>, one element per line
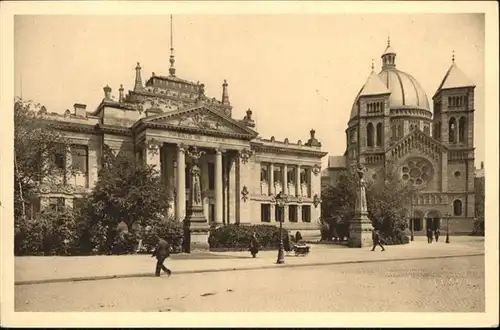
<point>122,97</point>
<point>225,95</point>
<point>248,119</point>
<point>80,109</point>
<point>107,92</point>
<point>482,165</point>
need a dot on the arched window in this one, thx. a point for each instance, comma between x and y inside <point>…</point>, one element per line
<point>457,207</point>
<point>369,135</point>
<point>394,132</point>
<point>379,134</point>
<point>452,127</point>
<point>400,130</point>
<point>461,130</point>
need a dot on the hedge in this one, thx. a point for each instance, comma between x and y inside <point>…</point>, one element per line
<point>235,237</point>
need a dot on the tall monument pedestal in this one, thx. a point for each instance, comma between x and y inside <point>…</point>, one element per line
<point>196,232</point>
<point>360,231</point>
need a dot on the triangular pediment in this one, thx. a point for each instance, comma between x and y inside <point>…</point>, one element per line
<point>416,140</point>
<point>201,119</point>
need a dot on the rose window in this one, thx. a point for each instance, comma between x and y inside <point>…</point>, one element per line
<point>417,172</point>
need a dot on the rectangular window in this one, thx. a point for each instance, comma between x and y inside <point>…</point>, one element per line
<point>78,203</point>
<point>32,208</point>
<point>265,213</point>
<point>306,213</point>
<point>187,170</point>
<point>56,203</point>
<point>79,159</point>
<point>211,176</point>
<point>59,159</point>
<point>292,213</point>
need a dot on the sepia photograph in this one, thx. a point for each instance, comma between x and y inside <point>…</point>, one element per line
<point>191,161</point>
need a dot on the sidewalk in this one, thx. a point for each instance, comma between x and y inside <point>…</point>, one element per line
<point>36,270</point>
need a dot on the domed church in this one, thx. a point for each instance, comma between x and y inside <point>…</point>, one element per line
<point>391,122</point>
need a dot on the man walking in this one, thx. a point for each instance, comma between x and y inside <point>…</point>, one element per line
<point>376,240</point>
<point>437,233</point>
<point>161,252</point>
<point>429,235</point>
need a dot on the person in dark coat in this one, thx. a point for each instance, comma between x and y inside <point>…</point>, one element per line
<point>429,235</point>
<point>161,252</point>
<point>376,240</point>
<point>298,237</point>
<point>254,245</point>
<point>287,242</point>
<point>436,234</point>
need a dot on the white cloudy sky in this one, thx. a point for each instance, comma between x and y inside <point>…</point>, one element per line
<point>296,72</point>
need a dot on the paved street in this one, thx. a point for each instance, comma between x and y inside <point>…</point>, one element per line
<point>433,285</point>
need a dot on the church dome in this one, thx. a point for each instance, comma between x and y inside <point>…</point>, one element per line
<point>404,89</point>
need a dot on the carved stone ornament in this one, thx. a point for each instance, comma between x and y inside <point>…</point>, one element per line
<point>245,155</point>
<point>316,169</point>
<point>316,200</point>
<point>244,193</point>
<point>153,144</point>
<point>300,199</point>
<point>44,189</point>
<point>194,153</point>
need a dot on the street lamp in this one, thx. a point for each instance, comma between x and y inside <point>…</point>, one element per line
<point>412,220</point>
<point>281,200</point>
<point>447,228</point>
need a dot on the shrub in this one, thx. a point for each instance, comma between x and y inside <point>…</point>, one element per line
<point>49,233</point>
<point>170,230</point>
<point>237,237</point>
<point>398,237</point>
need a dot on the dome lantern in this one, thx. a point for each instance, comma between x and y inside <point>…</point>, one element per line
<point>388,57</point>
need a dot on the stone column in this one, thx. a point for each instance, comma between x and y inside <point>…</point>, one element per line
<point>299,213</point>
<point>218,187</point>
<point>169,179</point>
<point>204,186</point>
<point>297,181</point>
<point>181,183</point>
<point>232,190</point>
<point>271,180</point>
<point>285,180</point>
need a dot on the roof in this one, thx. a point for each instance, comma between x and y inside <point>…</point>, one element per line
<point>373,86</point>
<point>389,50</point>
<point>455,78</point>
<point>337,162</point>
<point>404,89</point>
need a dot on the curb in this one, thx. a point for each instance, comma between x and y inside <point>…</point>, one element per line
<point>227,269</point>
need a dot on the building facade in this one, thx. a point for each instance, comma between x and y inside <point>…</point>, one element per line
<point>391,122</point>
<point>168,122</point>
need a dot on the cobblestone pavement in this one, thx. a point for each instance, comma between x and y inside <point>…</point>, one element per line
<point>435,285</point>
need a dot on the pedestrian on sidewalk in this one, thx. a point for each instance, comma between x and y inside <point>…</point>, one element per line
<point>254,245</point>
<point>436,234</point>
<point>298,237</point>
<point>429,235</point>
<point>376,239</point>
<point>161,252</point>
<point>287,242</point>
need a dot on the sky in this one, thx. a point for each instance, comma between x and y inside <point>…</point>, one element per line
<point>296,72</point>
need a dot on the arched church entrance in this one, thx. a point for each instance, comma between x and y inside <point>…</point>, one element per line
<point>433,220</point>
<point>417,220</point>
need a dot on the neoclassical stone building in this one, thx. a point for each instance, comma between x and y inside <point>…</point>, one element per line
<point>391,121</point>
<point>161,122</point>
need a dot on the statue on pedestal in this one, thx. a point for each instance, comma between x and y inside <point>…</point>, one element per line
<point>195,224</point>
<point>360,225</point>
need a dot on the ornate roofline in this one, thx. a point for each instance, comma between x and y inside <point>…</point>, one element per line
<point>150,122</point>
<point>415,132</point>
<point>70,126</point>
<point>256,146</point>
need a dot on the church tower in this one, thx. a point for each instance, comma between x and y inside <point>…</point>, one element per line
<point>453,125</point>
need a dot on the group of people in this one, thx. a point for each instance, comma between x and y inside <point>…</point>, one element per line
<point>288,243</point>
<point>430,233</point>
